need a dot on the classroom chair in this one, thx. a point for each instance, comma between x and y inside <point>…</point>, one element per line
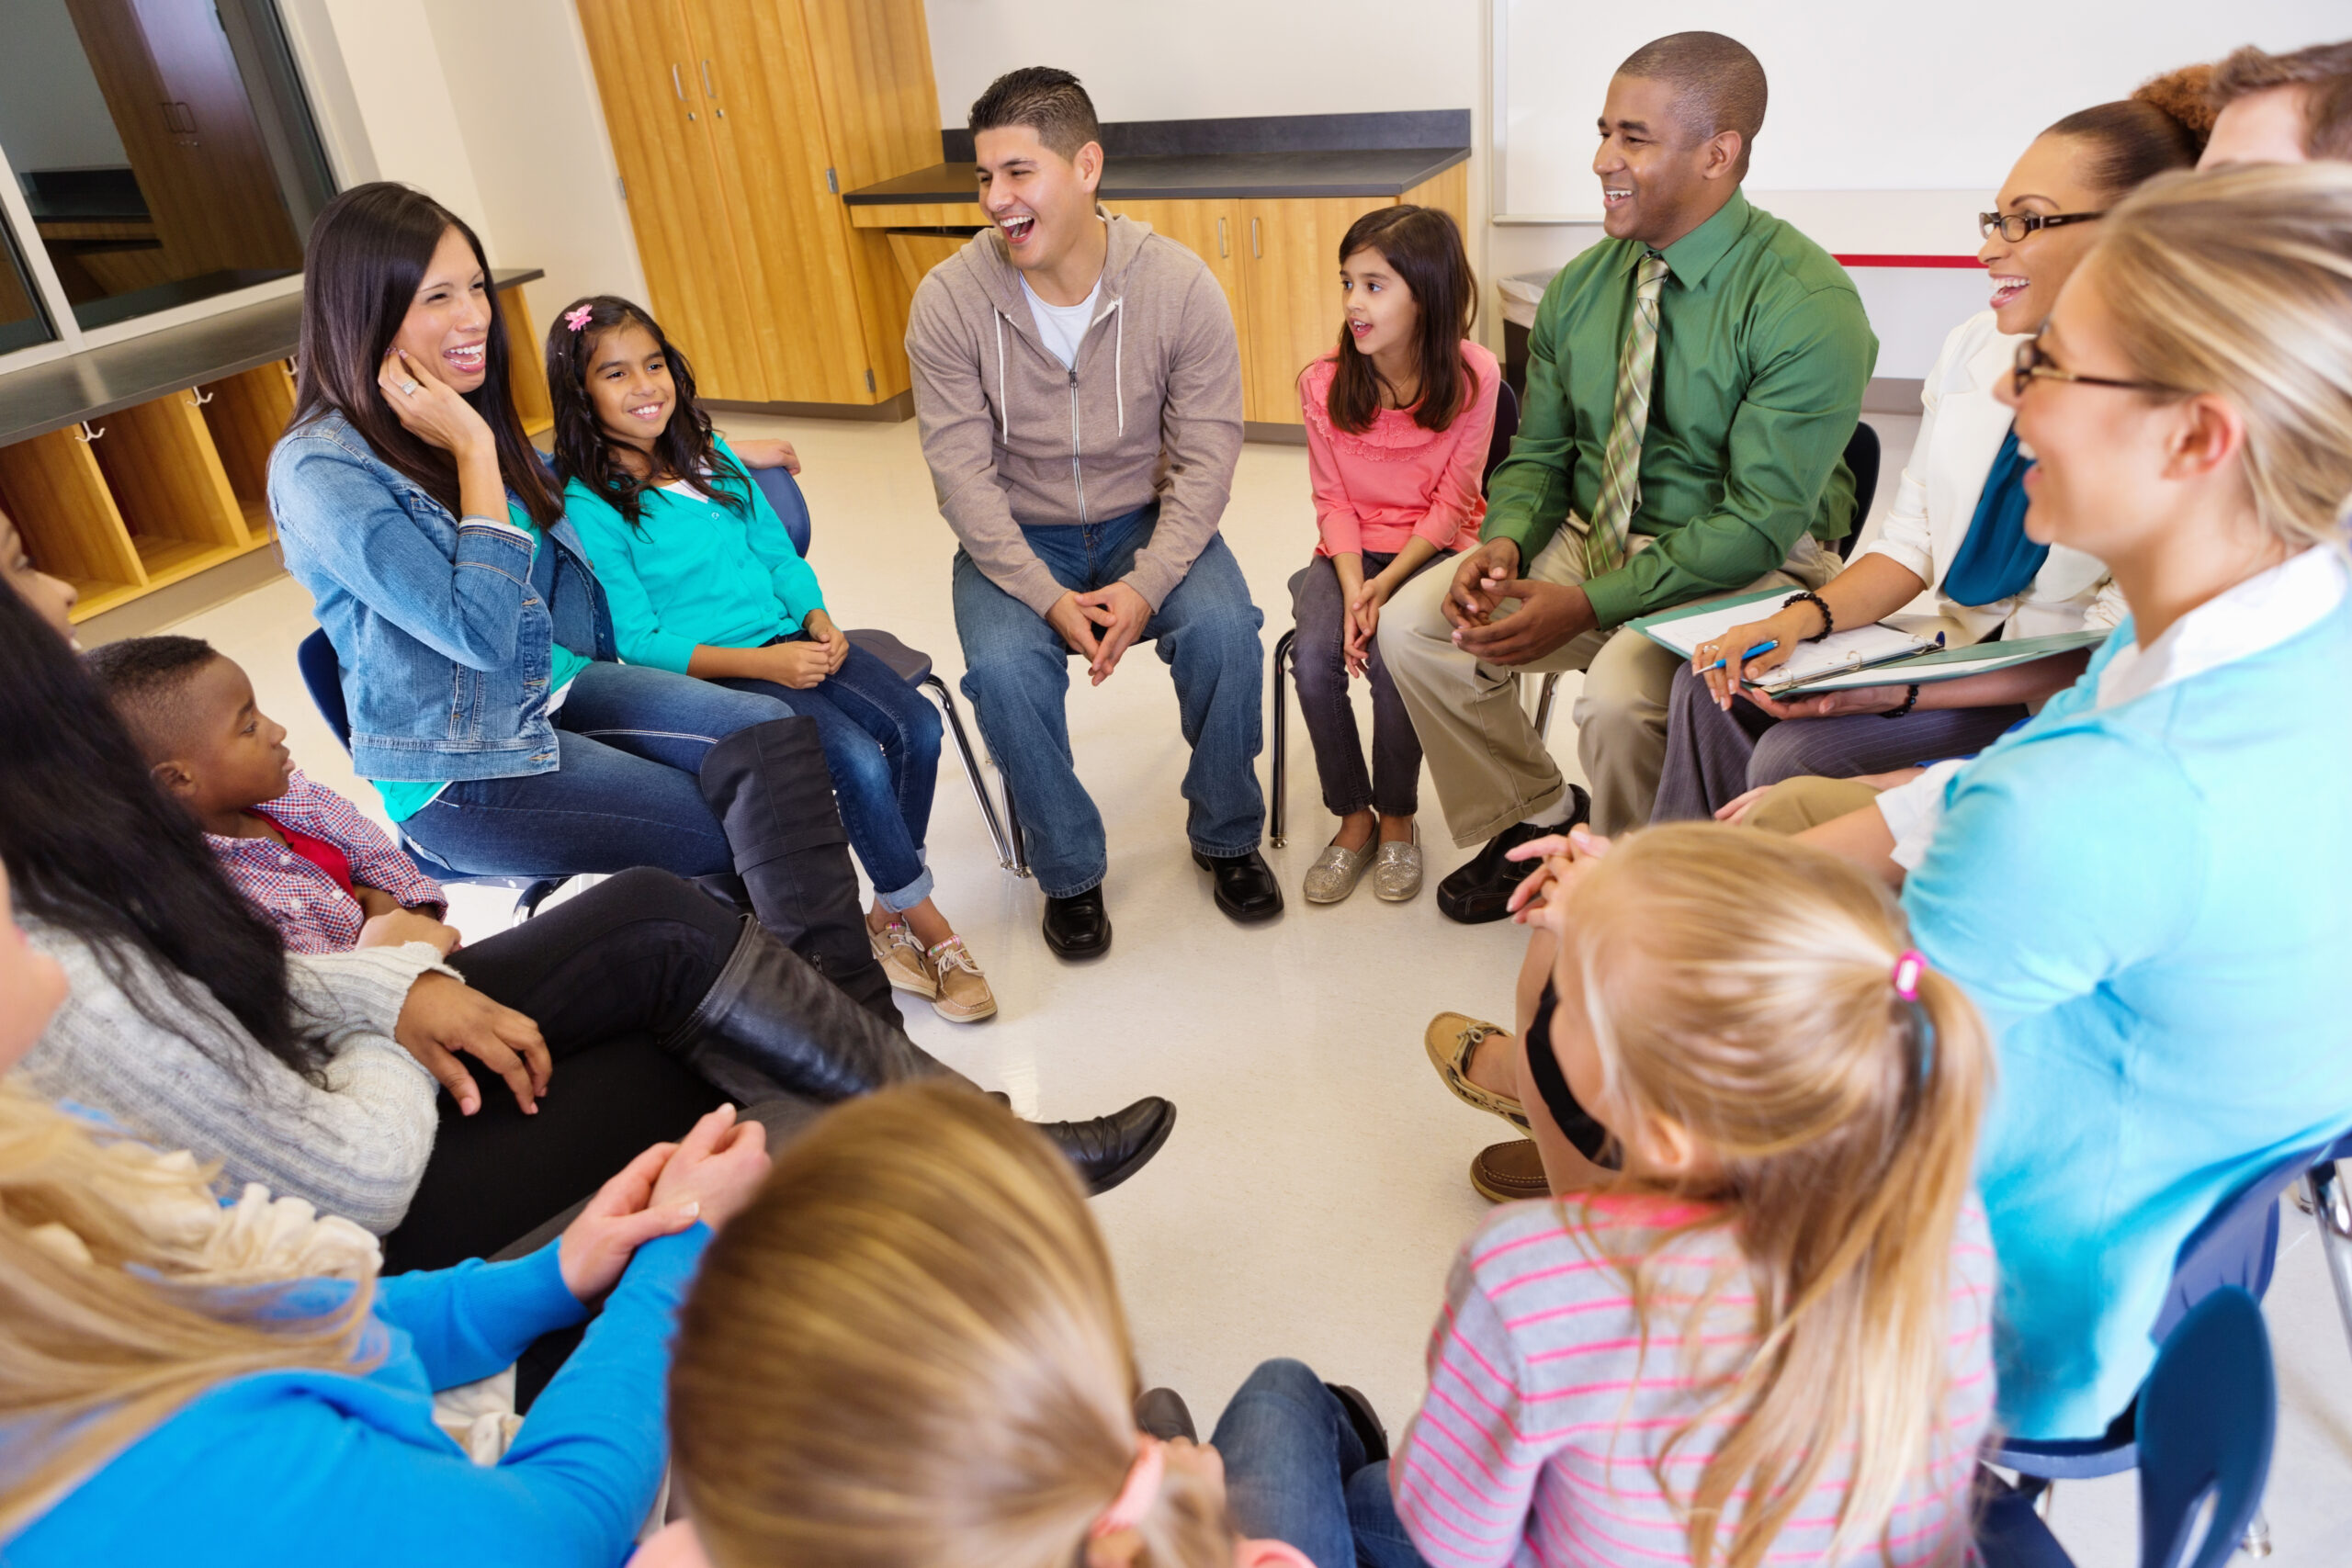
<point>783,493</point>
<point>2209,1418</point>
<point>1286,650</point>
<point>322,675</point>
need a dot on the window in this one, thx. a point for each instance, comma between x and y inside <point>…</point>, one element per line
<point>163,149</point>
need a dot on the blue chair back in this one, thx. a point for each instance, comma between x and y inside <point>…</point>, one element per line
<point>323,676</point>
<point>2209,1416</point>
<point>784,493</point>
<point>2238,1244</point>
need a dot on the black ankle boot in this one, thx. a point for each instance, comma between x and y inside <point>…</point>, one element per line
<point>768,787</point>
<point>772,1012</point>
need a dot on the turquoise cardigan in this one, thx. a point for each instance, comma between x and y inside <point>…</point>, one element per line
<point>2152,906</point>
<point>349,1469</point>
<point>693,571</point>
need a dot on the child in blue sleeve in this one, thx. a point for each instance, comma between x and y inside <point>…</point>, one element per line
<point>703,580</point>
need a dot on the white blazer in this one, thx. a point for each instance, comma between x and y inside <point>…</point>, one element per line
<point>1961,431</point>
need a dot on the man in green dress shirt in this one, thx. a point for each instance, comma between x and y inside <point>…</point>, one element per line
<point>1699,410</point>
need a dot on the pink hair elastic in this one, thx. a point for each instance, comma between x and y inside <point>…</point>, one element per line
<point>577,319</point>
<point>1135,1499</point>
<point>1909,965</point>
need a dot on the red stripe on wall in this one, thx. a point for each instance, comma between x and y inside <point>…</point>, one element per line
<point>1908,261</point>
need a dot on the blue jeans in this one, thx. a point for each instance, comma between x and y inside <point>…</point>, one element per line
<point>1017,677</point>
<point>1295,1471</point>
<point>625,791</point>
<point>881,740</point>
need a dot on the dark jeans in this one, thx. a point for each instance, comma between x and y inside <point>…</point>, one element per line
<point>609,977</point>
<point>1320,664</point>
<point>1017,676</point>
<point>881,740</point>
<point>1295,1471</point>
<point>630,744</point>
<point>1713,757</point>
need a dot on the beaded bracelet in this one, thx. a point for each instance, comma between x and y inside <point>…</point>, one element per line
<point>1909,698</point>
<point>1828,621</point>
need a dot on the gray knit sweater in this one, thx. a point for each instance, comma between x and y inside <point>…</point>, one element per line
<point>355,1147</point>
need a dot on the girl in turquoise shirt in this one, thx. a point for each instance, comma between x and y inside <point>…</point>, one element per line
<point>703,579</point>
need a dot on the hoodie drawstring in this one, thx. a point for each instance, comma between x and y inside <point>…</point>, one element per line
<point>1003,409</point>
<point>1119,362</point>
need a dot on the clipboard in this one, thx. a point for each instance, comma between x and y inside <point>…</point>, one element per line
<point>1680,630</point>
<point>1947,663</point>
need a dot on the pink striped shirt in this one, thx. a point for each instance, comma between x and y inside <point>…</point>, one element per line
<point>1534,1446</point>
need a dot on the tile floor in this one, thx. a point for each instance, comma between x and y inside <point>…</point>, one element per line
<point>1313,1195</point>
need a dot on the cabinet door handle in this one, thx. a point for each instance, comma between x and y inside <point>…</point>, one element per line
<point>706,90</point>
<point>1253,239</point>
<point>1221,248</point>
<point>675,85</point>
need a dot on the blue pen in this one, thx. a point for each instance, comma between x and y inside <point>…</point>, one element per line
<point>1759,648</point>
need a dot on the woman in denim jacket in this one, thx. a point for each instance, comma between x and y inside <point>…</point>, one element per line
<point>477,651</point>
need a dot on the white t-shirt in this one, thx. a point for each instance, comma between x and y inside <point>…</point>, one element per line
<point>1063,327</point>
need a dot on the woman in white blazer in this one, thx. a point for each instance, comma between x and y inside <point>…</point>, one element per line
<point>1954,544</point>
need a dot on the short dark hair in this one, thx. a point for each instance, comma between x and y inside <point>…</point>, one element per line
<point>1047,101</point>
<point>145,679</point>
<point>1718,82</point>
<point>2324,67</point>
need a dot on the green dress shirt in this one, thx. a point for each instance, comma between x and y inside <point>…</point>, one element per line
<point>1763,352</point>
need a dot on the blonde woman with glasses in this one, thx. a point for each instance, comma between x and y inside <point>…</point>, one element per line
<point>2146,887</point>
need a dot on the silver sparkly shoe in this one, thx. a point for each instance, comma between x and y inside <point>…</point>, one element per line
<point>1335,872</point>
<point>1396,871</point>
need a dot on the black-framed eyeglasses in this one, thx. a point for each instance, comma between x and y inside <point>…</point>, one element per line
<point>2034,364</point>
<point>2016,226</point>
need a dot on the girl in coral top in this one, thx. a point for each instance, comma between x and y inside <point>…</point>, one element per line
<point>1398,419</point>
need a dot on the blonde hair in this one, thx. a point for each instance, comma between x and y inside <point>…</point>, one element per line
<point>910,1351</point>
<point>2238,281</point>
<point>112,1315</point>
<point>1741,985</point>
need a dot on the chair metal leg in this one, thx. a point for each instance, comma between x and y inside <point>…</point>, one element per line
<point>1281,726</point>
<point>1004,845</point>
<point>1019,865</point>
<point>1549,690</point>
<point>2255,1543</point>
<point>2331,1211</point>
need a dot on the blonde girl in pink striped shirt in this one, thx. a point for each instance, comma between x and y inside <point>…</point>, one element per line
<point>1765,1338</point>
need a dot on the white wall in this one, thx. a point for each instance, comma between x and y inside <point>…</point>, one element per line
<point>51,113</point>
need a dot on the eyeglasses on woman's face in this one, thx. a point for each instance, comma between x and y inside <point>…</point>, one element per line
<point>2034,364</point>
<point>2016,226</point>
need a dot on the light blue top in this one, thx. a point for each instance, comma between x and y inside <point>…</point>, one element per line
<point>694,571</point>
<point>314,1466</point>
<point>2152,903</point>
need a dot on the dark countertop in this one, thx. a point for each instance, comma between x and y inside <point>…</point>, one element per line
<point>1390,171</point>
<point>99,380</point>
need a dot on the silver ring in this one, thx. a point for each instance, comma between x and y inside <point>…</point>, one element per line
<point>407,387</point>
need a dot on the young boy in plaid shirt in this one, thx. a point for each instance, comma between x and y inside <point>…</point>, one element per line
<point>302,853</point>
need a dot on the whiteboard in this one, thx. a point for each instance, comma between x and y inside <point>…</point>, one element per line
<point>1875,105</point>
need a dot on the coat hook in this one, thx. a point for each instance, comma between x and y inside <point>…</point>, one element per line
<point>85,434</point>
<point>197,397</point>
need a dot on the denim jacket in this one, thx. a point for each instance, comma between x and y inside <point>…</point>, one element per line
<point>443,641</point>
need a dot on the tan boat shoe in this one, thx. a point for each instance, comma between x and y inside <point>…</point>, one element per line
<point>900,952</point>
<point>1504,1173</point>
<point>963,994</point>
<point>1451,1039</point>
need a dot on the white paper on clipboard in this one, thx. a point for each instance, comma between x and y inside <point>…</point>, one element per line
<point>1855,650</point>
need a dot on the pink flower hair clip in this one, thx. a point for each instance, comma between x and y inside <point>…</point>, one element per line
<point>578,318</point>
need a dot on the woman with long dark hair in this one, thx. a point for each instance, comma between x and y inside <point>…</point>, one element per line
<point>477,649</point>
<point>1398,418</point>
<point>189,1025</point>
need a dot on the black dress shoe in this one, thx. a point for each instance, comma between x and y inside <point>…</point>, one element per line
<point>1364,1419</point>
<point>1480,891</point>
<point>1111,1148</point>
<point>1245,888</point>
<point>1077,926</point>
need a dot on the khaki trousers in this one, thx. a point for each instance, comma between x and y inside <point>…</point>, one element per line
<point>1490,767</point>
<point>1795,805</point>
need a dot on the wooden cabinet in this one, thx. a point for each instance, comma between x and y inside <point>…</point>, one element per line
<point>737,123</point>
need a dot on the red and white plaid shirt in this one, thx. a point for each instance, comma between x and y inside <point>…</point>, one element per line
<point>310,911</point>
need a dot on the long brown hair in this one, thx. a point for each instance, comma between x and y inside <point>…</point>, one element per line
<point>367,251</point>
<point>113,1316</point>
<point>685,450</point>
<point>1424,249</point>
<point>908,1350</point>
<point>1844,1120</point>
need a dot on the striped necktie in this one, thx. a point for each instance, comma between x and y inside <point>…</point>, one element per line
<point>1621,465</point>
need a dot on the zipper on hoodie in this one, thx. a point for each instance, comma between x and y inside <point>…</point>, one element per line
<point>1076,474</point>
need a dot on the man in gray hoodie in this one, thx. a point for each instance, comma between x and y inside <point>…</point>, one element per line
<point>1079,392</point>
